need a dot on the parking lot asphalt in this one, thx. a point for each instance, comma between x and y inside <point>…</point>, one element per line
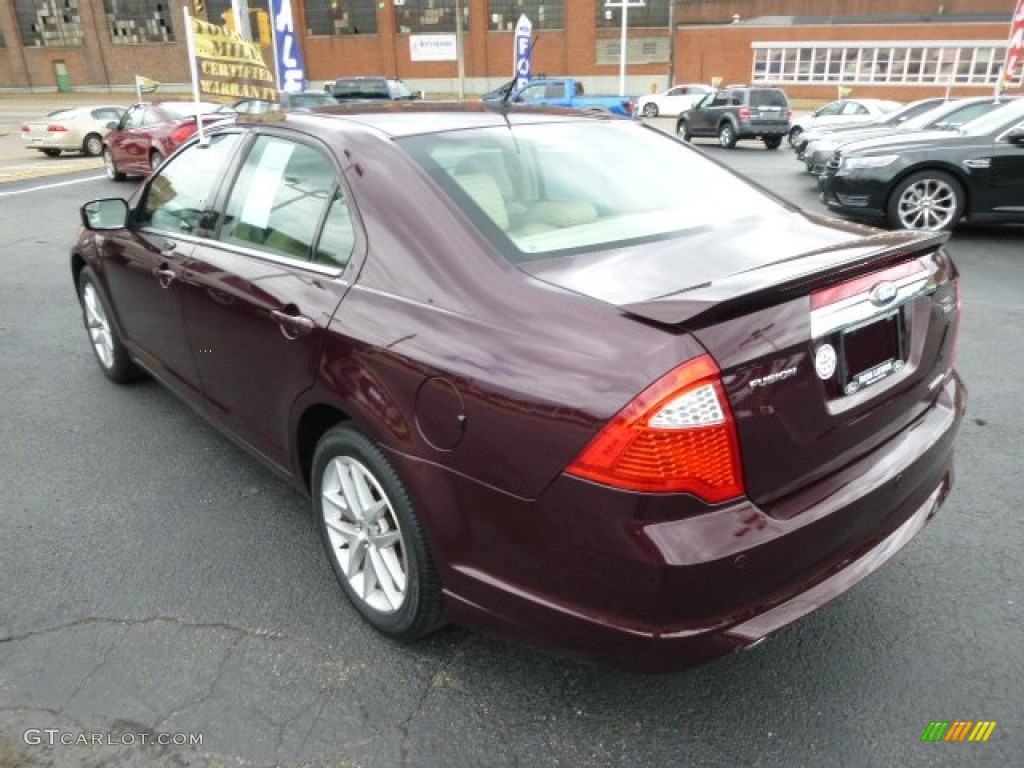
<point>161,585</point>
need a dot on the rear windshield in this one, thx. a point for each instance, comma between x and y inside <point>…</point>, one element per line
<point>768,99</point>
<point>538,191</point>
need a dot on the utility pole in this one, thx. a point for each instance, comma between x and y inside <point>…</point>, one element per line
<point>459,52</point>
<point>671,43</point>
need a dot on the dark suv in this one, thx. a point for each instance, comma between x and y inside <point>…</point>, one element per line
<point>738,113</point>
<point>371,89</point>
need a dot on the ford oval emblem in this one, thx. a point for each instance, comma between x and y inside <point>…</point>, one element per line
<point>882,293</point>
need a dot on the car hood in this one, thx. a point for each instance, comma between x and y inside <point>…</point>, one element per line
<point>902,142</point>
<point>718,269</point>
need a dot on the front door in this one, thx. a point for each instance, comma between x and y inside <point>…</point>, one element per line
<point>146,265</point>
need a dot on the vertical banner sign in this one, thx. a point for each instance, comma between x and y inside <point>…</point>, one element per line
<point>1015,48</point>
<point>523,51</point>
<point>229,67</point>
<point>291,71</point>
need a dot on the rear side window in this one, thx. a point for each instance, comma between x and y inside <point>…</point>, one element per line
<point>770,98</point>
<point>279,198</point>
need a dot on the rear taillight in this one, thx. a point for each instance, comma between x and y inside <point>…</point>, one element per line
<point>182,132</point>
<point>677,436</point>
<point>25,128</point>
<point>744,113</point>
<point>56,128</point>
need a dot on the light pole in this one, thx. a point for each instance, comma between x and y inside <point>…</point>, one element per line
<point>624,6</point>
<point>458,51</point>
<point>671,43</point>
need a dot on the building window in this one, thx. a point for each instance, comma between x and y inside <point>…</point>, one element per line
<point>939,63</point>
<point>341,17</point>
<point>49,23</point>
<point>504,14</point>
<point>653,13</point>
<point>639,50</point>
<point>424,17</point>
<point>139,21</point>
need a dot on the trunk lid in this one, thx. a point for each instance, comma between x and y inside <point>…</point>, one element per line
<point>831,338</point>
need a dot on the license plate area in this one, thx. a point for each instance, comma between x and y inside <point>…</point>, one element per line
<point>870,352</point>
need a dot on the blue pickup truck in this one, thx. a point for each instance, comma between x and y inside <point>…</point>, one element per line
<point>566,92</point>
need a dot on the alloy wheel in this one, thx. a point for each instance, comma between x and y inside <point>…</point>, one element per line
<point>99,326</point>
<point>365,535</point>
<point>927,204</point>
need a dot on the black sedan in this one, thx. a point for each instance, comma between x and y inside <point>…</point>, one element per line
<point>933,180</point>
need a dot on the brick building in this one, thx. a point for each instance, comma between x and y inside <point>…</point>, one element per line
<point>894,48</point>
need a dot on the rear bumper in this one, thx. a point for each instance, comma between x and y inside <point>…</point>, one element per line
<point>640,582</point>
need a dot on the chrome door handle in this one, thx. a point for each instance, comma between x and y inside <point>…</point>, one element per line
<point>292,326</point>
<point>165,276</point>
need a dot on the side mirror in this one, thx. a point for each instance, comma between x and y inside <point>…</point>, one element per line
<point>112,125</point>
<point>419,95</point>
<point>1016,137</point>
<point>105,215</point>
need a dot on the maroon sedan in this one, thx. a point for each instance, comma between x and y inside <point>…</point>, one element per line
<point>150,131</point>
<point>648,417</point>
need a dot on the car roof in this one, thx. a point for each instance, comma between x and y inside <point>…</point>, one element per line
<point>397,119</point>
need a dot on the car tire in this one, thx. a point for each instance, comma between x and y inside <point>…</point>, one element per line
<point>93,145</point>
<point>650,109</point>
<point>155,159</point>
<point>373,537</point>
<point>683,130</point>
<point>772,142</point>
<point>111,167</point>
<point>927,200</point>
<point>113,358</point>
<point>794,135</point>
<point>51,152</point>
<point>727,136</point>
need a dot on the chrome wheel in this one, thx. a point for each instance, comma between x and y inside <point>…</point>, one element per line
<point>99,326</point>
<point>110,166</point>
<point>650,110</point>
<point>364,534</point>
<point>726,136</point>
<point>93,145</point>
<point>928,203</point>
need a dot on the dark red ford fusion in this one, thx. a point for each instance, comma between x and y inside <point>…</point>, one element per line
<point>643,420</point>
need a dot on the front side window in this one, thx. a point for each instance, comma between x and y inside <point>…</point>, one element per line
<point>279,198</point>
<point>133,118</point>
<point>183,189</point>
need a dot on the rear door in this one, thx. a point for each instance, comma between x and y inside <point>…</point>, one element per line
<point>261,293</point>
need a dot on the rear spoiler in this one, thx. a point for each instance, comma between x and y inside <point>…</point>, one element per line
<point>775,283</point>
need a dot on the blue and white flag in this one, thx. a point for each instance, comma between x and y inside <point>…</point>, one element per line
<point>291,70</point>
<point>523,51</point>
